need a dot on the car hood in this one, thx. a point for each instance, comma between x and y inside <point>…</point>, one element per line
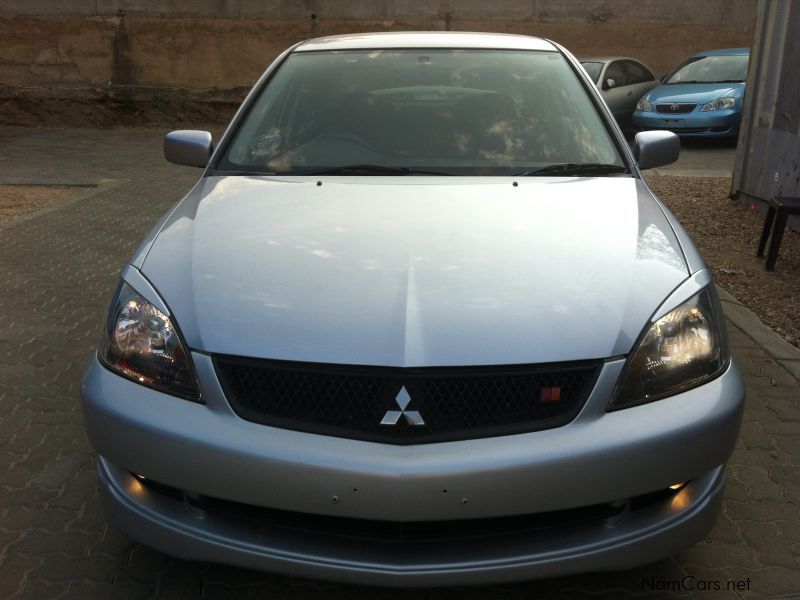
<point>415,271</point>
<point>699,93</point>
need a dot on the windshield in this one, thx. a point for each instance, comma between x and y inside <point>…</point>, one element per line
<point>593,69</point>
<point>711,69</point>
<point>455,112</point>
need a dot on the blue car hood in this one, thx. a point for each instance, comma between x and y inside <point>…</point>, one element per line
<point>698,93</point>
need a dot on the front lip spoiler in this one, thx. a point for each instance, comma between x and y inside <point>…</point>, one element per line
<point>173,527</point>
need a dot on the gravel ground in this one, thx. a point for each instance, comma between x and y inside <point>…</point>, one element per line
<point>16,200</point>
<point>727,232</point>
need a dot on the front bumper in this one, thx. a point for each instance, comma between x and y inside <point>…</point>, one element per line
<point>638,537</point>
<point>598,458</point>
<point>717,123</point>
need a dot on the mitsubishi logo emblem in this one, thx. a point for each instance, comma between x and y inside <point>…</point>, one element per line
<point>412,416</point>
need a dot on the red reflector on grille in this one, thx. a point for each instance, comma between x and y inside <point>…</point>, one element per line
<point>550,394</point>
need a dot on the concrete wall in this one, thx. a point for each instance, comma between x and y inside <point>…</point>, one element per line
<point>138,50</point>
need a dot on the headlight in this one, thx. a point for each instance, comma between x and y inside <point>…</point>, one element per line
<point>644,105</point>
<point>141,343</point>
<point>681,350</point>
<point>719,104</point>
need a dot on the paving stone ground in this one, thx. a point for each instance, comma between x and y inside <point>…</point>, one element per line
<point>57,272</point>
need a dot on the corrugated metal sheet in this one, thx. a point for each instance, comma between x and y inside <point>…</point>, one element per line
<point>768,155</point>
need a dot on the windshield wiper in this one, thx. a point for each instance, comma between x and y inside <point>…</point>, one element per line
<point>589,169</point>
<point>365,169</point>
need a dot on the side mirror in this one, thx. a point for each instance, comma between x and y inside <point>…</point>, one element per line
<point>188,147</point>
<point>610,83</point>
<point>656,148</point>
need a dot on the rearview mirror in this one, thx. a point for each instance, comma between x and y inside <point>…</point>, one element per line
<point>188,147</point>
<point>656,148</point>
<point>610,83</point>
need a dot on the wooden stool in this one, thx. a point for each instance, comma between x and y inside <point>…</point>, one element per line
<point>779,210</point>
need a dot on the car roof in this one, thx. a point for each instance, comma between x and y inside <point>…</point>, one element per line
<point>426,39</point>
<point>724,52</point>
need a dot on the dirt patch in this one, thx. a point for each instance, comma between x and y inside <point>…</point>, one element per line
<point>17,200</point>
<point>727,233</point>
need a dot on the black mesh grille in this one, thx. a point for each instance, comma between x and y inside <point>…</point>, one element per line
<point>454,403</point>
<point>675,108</point>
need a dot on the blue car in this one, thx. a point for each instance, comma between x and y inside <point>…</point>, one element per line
<point>703,97</point>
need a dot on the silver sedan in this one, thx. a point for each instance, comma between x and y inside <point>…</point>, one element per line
<point>419,322</point>
<point>621,81</point>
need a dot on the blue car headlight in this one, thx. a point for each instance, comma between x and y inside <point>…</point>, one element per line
<point>644,105</point>
<point>719,104</point>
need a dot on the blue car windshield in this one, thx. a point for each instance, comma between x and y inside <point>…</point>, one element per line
<point>711,69</point>
<point>452,112</point>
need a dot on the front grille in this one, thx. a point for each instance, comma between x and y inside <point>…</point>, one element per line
<point>421,405</point>
<point>675,108</point>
